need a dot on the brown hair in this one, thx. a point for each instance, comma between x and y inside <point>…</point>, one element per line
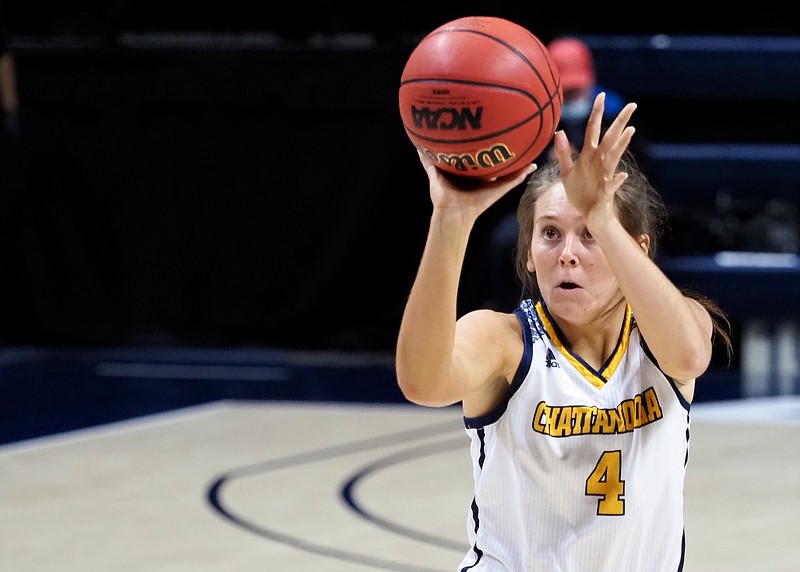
<point>640,209</point>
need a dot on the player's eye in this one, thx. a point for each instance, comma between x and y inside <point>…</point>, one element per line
<point>550,233</point>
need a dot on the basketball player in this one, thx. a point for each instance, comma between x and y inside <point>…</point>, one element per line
<point>576,403</point>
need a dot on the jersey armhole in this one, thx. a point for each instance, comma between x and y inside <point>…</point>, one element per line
<point>516,383</point>
<point>683,401</point>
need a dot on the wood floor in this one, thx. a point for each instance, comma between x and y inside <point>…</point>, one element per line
<point>240,486</point>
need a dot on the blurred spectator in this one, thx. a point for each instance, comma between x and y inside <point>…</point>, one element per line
<point>575,64</point>
<point>9,99</point>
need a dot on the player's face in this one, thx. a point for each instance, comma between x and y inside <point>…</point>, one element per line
<point>572,272</point>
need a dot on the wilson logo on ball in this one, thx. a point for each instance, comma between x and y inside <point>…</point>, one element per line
<point>463,164</point>
<point>446,118</point>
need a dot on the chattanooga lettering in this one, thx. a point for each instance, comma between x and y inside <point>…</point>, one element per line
<point>446,118</point>
<point>571,420</point>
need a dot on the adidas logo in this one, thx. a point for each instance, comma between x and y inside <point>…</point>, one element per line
<point>550,359</point>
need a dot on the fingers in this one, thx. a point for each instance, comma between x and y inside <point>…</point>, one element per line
<point>616,138</point>
<point>424,159</point>
<point>509,181</point>
<point>615,133</point>
<point>516,178</point>
<point>430,168</point>
<point>620,123</point>
<point>615,152</point>
<point>594,124</point>
<point>563,151</point>
<point>619,135</point>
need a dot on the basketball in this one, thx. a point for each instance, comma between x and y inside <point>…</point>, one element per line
<point>480,96</point>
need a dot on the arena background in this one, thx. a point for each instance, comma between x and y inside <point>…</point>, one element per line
<point>238,182</point>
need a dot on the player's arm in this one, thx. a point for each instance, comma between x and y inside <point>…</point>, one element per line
<point>678,330</point>
<point>435,359</point>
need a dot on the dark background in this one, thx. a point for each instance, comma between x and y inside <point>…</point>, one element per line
<point>220,202</point>
<point>304,19</point>
<point>238,175</point>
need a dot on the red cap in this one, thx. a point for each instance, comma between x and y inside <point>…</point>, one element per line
<point>574,62</point>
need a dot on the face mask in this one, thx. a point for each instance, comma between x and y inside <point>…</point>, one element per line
<point>578,110</point>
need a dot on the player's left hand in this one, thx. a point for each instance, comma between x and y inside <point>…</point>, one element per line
<point>591,179</point>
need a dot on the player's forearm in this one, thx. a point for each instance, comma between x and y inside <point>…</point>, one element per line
<point>427,330</point>
<point>672,325</point>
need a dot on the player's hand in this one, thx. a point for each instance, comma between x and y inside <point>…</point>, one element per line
<point>591,179</point>
<point>471,194</point>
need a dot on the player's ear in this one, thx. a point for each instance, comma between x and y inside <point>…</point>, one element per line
<point>644,242</point>
<point>529,264</point>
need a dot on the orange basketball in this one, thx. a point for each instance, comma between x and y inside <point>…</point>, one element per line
<point>480,96</point>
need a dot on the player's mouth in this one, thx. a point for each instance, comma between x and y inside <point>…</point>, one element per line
<point>568,286</point>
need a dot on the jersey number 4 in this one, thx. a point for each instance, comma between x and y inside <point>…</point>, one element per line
<point>605,481</point>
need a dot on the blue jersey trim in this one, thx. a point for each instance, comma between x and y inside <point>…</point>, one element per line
<point>516,383</point>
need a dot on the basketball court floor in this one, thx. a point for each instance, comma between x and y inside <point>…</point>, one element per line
<point>240,486</point>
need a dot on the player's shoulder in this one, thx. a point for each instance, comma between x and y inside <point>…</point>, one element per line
<point>491,323</point>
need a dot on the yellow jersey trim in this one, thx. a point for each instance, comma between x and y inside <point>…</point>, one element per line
<point>595,377</point>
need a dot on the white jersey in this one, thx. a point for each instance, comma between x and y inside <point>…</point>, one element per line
<point>579,469</point>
